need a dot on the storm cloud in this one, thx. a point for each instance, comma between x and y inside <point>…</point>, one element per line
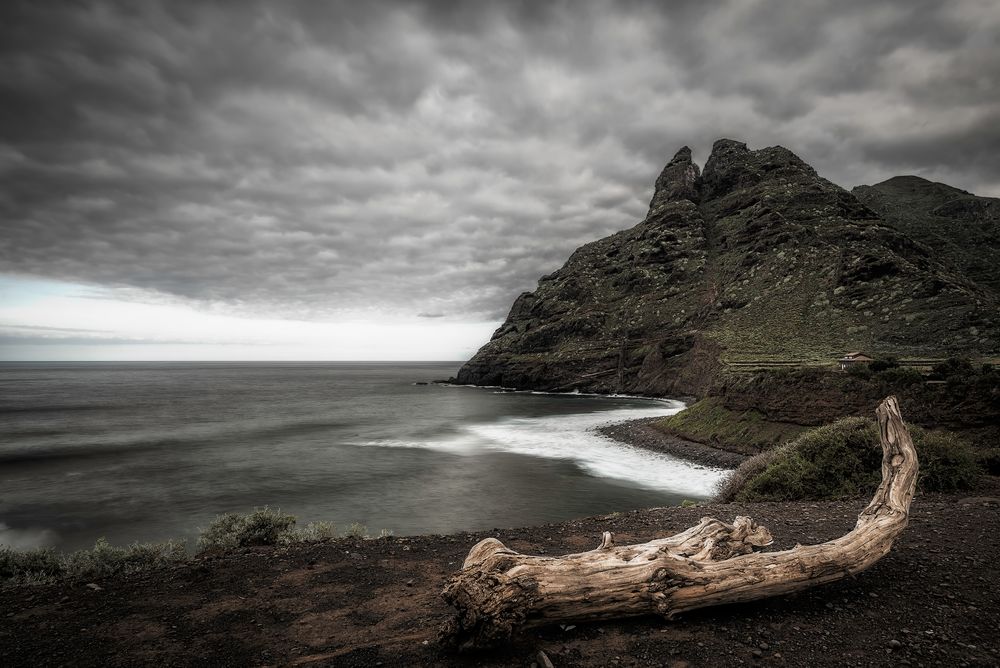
<point>307,160</point>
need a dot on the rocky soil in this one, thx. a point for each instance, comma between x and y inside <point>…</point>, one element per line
<point>931,602</point>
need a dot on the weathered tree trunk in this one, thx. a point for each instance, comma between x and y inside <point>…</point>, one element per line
<point>499,590</point>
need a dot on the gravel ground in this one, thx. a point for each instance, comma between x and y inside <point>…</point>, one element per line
<point>931,602</point>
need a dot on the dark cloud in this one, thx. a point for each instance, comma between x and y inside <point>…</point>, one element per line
<point>310,159</point>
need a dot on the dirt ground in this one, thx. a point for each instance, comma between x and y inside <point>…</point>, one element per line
<point>933,601</point>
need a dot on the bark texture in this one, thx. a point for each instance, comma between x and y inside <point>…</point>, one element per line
<point>499,590</point>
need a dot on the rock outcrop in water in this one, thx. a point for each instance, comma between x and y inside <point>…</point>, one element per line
<point>754,258</point>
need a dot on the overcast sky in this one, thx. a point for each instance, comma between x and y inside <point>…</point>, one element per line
<point>184,180</point>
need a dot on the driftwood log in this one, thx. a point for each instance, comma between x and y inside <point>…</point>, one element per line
<point>499,590</point>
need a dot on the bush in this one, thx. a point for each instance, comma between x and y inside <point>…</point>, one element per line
<point>895,378</point>
<point>859,371</point>
<point>231,530</point>
<point>731,486</point>
<point>947,464</point>
<point>953,367</point>
<point>883,364</point>
<point>311,533</point>
<point>103,560</point>
<point>29,566</point>
<point>261,527</point>
<point>357,530</point>
<point>842,460</point>
<point>989,460</point>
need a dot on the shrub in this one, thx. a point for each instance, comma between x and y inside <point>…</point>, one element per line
<point>953,367</point>
<point>947,464</point>
<point>311,533</point>
<point>842,460</point>
<point>103,560</point>
<point>733,484</point>
<point>357,530</point>
<point>261,527</point>
<point>41,565</point>
<point>859,371</point>
<point>989,460</point>
<point>883,364</point>
<point>899,377</point>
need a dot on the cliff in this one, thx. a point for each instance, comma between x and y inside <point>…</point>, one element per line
<point>754,258</point>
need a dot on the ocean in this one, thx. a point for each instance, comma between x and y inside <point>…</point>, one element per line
<point>150,451</point>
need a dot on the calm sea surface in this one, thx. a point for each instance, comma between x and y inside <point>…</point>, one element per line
<point>148,451</point>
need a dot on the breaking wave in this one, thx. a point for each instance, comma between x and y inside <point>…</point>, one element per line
<point>574,438</point>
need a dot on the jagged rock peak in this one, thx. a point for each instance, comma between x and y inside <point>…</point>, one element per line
<point>683,155</point>
<point>728,155</point>
<point>679,180</point>
<point>732,165</point>
<point>726,146</point>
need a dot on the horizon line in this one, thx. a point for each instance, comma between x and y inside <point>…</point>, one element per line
<point>317,361</point>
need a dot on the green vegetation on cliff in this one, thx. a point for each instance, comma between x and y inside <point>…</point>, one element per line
<point>752,412</point>
<point>746,432</point>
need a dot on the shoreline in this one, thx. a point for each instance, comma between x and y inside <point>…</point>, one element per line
<point>640,434</point>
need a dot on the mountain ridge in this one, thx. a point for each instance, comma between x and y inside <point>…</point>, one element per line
<point>963,227</point>
<point>754,257</point>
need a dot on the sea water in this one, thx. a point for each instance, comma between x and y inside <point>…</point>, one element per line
<point>149,451</point>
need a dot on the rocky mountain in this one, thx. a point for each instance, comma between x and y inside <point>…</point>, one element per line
<point>755,258</point>
<point>963,228</point>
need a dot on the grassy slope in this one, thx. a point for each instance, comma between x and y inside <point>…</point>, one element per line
<point>747,432</point>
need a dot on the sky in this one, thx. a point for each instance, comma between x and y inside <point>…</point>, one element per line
<point>380,180</point>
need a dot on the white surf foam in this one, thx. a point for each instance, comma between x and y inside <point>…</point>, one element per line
<point>573,438</point>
